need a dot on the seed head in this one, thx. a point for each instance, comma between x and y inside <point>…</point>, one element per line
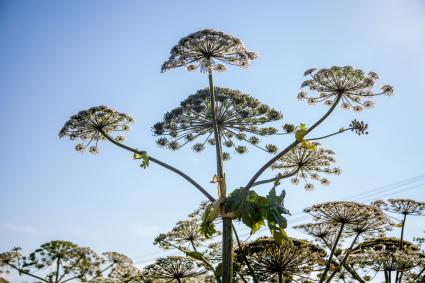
<point>207,49</point>
<point>353,85</point>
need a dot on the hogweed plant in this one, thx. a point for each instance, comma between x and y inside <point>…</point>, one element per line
<point>383,254</point>
<point>63,261</point>
<point>173,269</point>
<point>292,259</point>
<point>187,237</point>
<point>404,207</point>
<point>228,118</point>
<point>350,220</point>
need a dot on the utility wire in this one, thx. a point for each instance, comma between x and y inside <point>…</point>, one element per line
<point>371,195</point>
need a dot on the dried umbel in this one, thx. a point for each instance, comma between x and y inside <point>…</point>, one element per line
<point>383,254</point>
<point>60,259</point>
<point>341,212</point>
<point>10,257</point>
<point>404,206</point>
<point>322,231</point>
<point>271,259</point>
<point>376,224</point>
<point>239,119</point>
<point>87,127</point>
<point>183,235</point>
<point>208,49</point>
<point>123,269</point>
<point>308,165</point>
<point>173,267</point>
<point>353,86</point>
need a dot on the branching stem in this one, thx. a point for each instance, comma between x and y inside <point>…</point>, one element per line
<point>163,164</point>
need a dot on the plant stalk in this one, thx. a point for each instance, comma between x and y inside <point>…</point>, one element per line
<point>328,263</point>
<point>292,145</point>
<point>227,248</point>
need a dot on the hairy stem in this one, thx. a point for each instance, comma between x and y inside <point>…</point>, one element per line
<point>401,244</point>
<point>227,252</point>
<point>163,164</point>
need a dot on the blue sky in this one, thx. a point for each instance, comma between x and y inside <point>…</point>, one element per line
<point>58,57</point>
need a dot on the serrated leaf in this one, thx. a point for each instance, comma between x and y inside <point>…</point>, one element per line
<point>275,219</point>
<point>208,229</point>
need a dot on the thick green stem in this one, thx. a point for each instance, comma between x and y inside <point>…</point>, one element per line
<point>292,145</point>
<point>328,263</point>
<point>402,231</point>
<point>227,252</point>
<point>280,277</point>
<point>397,279</point>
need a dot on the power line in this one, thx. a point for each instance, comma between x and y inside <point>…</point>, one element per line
<point>370,195</point>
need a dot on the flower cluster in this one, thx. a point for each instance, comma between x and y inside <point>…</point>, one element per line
<point>238,118</point>
<point>123,269</point>
<point>89,126</point>
<point>353,86</point>
<point>376,224</point>
<point>341,212</point>
<point>207,49</point>
<point>404,206</point>
<point>384,254</point>
<point>307,164</point>
<point>291,258</point>
<point>173,267</point>
<point>322,231</point>
<point>359,127</point>
<point>183,235</point>
<point>10,257</point>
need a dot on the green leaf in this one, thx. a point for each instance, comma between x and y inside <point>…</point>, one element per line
<point>248,206</point>
<point>275,219</point>
<point>145,162</point>
<point>208,229</point>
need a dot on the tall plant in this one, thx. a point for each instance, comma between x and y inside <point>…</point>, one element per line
<point>225,117</point>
